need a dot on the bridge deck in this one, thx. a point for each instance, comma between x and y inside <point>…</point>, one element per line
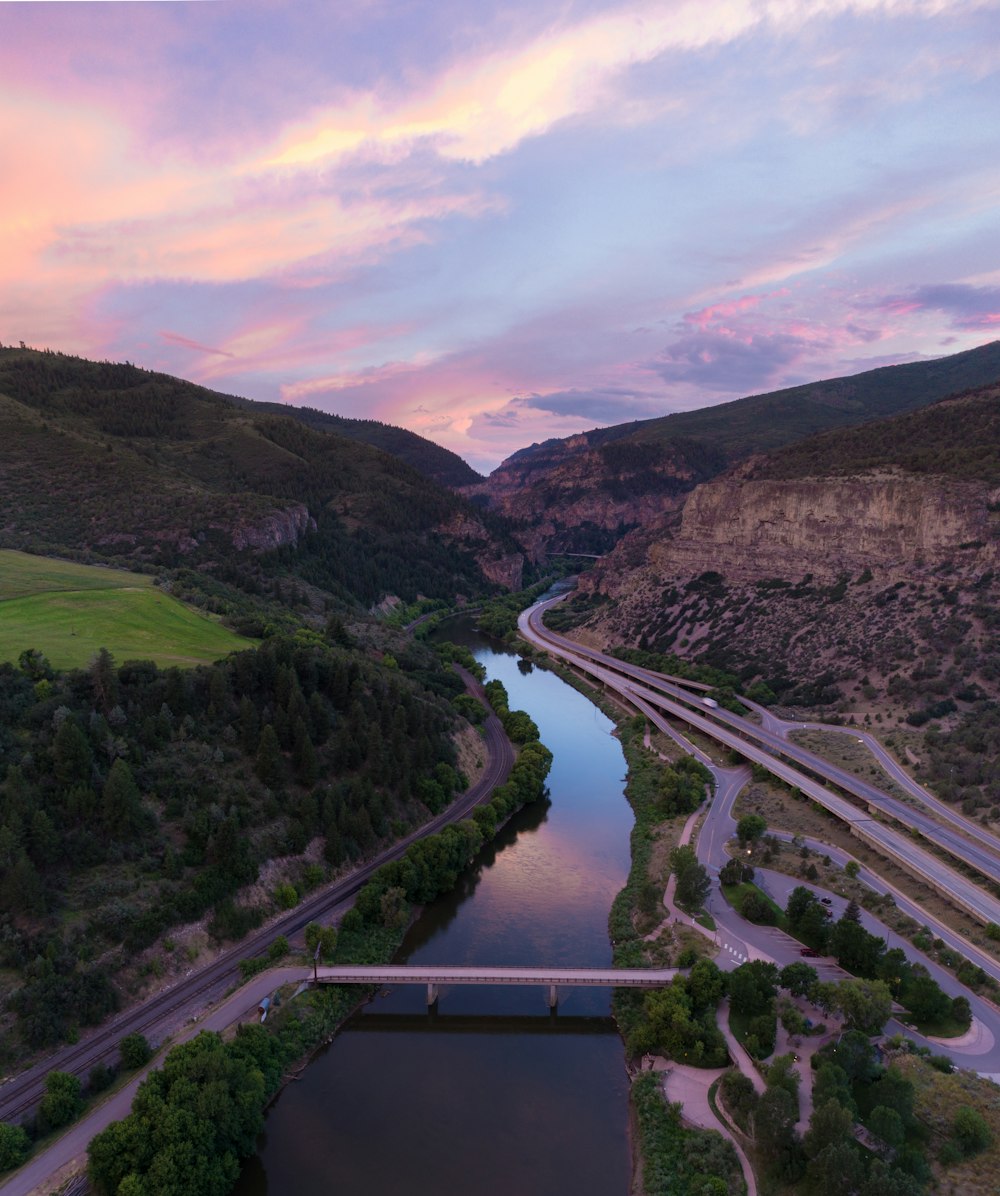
<point>438,974</point>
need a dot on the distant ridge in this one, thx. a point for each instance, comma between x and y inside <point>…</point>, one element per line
<point>761,422</point>
<point>107,458</point>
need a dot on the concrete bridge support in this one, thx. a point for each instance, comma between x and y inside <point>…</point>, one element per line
<point>432,995</point>
<point>553,996</point>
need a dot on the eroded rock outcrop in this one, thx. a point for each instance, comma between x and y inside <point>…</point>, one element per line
<point>274,530</point>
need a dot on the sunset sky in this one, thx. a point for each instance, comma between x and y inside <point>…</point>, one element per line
<point>498,222</point>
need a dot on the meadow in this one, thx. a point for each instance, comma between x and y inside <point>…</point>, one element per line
<point>69,611</point>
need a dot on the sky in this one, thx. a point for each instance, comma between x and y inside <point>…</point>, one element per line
<point>494,223</point>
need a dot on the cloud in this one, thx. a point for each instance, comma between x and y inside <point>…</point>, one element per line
<point>971,308</point>
<point>175,338</point>
<point>607,405</point>
<point>721,361</point>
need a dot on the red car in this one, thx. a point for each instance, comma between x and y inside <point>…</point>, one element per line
<point>809,953</point>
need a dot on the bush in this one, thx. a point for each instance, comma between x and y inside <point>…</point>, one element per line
<point>61,1103</point>
<point>135,1051</point>
<point>15,1146</point>
<point>970,1131</point>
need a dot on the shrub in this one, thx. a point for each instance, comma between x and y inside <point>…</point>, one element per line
<point>135,1051</point>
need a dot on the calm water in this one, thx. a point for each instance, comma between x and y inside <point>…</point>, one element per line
<point>491,1093</point>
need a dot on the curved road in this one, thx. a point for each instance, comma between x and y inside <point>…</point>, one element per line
<point>645,691</point>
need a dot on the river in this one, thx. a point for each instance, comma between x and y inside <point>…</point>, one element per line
<point>491,1092</point>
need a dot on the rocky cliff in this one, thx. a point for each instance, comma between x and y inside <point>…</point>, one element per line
<point>502,568</point>
<point>898,525</point>
<point>274,530</point>
<point>878,596</point>
<point>578,495</point>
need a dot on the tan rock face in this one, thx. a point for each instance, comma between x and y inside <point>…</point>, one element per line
<point>828,527</point>
<point>848,585</point>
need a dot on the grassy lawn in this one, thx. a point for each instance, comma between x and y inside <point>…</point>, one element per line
<point>69,611</point>
<point>946,1028</point>
<point>734,895</point>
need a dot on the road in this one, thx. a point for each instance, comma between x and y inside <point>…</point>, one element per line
<point>739,940</point>
<point>165,1012</point>
<point>645,691</point>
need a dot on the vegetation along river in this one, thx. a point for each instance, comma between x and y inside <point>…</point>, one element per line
<point>490,1093</point>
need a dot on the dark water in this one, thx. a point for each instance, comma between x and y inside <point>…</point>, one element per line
<point>491,1093</point>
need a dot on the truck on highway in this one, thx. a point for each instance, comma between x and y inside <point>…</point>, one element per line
<point>711,702</point>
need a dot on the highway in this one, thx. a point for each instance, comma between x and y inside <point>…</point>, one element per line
<point>173,1007</point>
<point>956,838</point>
<point>645,691</point>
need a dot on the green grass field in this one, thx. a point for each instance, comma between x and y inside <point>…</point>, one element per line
<point>69,611</point>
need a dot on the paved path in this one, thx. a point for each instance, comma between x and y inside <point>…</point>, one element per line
<point>68,1154</point>
<point>690,1086</point>
<point>738,1052</point>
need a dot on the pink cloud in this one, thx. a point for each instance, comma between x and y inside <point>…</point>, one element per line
<point>175,338</point>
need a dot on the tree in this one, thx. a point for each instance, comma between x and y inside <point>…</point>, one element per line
<point>752,987</point>
<point>134,1050</point>
<point>104,680</point>
<point>853,1053</point>
<point>895,1091</point>
<point>856,950</point>
<point>740,1096</point>
<point>814,928</point>
<point>829,1125</point>
<point>924,997</point>
<point>970,1131</point>
<point>672,1029</point>
<point>736,872</point>
<point>756,908</point>
<point>832,1083</point>
<point>800,899</point>
<point>865,1004</point>
<point>791,1017</point>
<point>121,803</point>
<point>798,978</point>
<point>693,882</point>
<point>61,1103</point>
<point>836,1171</point>
<point>706,983</point>
<point>268,765</point>
<point>750,828</point>
<point>774,1130</point>
<point>15,1145</point>
<point>71,755</point>
<point>887,1125</point>
<point>304,755</point>
<point>852,868</point>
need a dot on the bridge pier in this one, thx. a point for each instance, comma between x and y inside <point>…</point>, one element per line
<point>553,996</point>
<point>432,995</point>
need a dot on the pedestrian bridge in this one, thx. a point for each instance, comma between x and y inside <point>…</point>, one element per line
<point>551,978</point>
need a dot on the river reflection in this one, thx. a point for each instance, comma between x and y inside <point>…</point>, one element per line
<point>492,1093</point>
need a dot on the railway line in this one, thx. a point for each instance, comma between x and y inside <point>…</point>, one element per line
<point>153,1018</point>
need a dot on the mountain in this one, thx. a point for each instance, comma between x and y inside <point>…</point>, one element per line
<point>584,492</point>
<point>439,464</point>
<point>148,468</point>
<point>858,570</point>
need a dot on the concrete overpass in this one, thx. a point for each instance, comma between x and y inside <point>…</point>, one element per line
<point>436,975</point>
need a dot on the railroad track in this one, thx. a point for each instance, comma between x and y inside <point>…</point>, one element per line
<point>19,1096</point>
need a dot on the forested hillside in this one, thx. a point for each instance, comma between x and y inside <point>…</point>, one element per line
<point>957,437</point>
<point>142,467</point>
<point>135,800</point>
